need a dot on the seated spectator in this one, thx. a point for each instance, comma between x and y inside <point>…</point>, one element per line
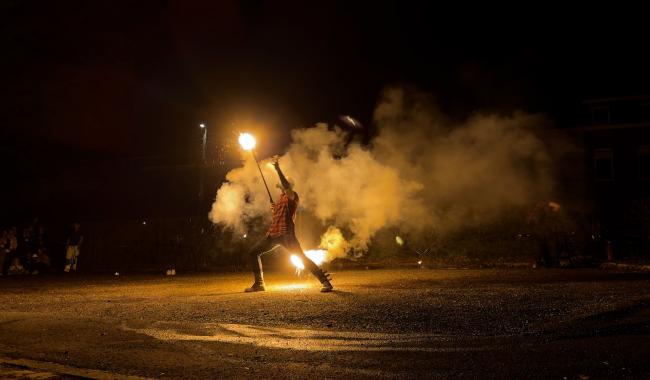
<point>25,249</point>
<point>40,257</point>
<point>3,245</point>
<point>9,247</point>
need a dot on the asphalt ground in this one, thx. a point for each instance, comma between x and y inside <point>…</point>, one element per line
<point>417,323</point>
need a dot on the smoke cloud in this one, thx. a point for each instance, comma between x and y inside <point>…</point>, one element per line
<point>419,171</point>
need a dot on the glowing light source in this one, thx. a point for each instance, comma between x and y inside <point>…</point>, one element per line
<point>399,240</point>
<point>295,260</point>
<point>202,125</point>
<point>247,141</point>
<point>554,206</point>
<point>350,121</point>
<point>318,256</point>
<point>290,287</point>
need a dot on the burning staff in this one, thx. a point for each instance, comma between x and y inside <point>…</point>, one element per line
<point>282,232</point>
<point>247,142</point>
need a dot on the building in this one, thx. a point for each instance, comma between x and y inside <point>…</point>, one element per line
<point>615,135</point>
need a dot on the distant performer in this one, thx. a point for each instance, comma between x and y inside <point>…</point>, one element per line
<point>282,233</point>
<point>73,248</point>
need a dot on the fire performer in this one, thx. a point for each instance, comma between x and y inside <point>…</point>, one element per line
<point>282,233</point>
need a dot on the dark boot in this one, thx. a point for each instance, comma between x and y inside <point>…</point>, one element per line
<point>324,279</point>
<point>258,285</point>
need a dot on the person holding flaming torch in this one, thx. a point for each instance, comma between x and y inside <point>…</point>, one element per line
<point>282,232</point>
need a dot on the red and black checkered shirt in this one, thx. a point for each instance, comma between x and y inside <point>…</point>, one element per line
<point>284,213</point>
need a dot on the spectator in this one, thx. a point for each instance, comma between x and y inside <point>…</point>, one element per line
<point>11,263</point>
<point>25,250</point>
<point>41,257</point>
<point>4,247</point>
<point>73,248</point>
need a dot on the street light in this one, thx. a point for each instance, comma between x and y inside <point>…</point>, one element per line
<point>205,135</point>
<point>202,170</point>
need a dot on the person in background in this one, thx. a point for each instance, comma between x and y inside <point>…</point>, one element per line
<point>25,251</point>
<point>41,257</point>
<point>4,241</point>
<point>73,248</point>
<point>9,247</point>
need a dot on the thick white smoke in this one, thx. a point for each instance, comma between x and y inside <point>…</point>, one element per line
<point>419,171</point>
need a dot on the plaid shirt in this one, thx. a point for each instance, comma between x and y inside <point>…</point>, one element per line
<point>284,213</point>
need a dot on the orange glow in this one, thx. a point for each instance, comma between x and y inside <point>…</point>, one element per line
<point>318,256</point>
<point>291,287</point>
<point>295,260</point>
<point>247,141</point>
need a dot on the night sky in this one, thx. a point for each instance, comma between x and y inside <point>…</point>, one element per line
<point>110,80</point>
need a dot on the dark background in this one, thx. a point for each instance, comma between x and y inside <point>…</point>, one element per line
<point>102,99</point>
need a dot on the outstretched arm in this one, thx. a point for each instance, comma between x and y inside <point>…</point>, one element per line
<point>285,183</point>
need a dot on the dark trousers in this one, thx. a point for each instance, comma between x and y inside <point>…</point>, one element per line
<point>289,242</point>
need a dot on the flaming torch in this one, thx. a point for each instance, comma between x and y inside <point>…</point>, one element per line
<point>247,142</point>
<point>295,260</point>
<point>318,256</point>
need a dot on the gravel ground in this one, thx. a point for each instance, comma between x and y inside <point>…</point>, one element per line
<point>514,323</point>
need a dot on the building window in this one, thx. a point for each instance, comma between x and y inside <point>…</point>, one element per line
<point>600,115</point>
<point>604,164</point>
<point>643,155</point>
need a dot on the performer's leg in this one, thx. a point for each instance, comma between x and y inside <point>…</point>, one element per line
<point>293,246</point>
<point>262,246</point>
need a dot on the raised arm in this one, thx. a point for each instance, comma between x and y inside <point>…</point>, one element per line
<point>285,183</point>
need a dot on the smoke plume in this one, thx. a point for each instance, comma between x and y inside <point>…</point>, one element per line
<point>419,171</point>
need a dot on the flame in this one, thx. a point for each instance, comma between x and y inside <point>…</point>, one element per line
<point>318,256</point>
<point>247,141</point>
<point>295,260</point>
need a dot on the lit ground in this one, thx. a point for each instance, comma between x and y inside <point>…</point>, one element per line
<point>379,323</point>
